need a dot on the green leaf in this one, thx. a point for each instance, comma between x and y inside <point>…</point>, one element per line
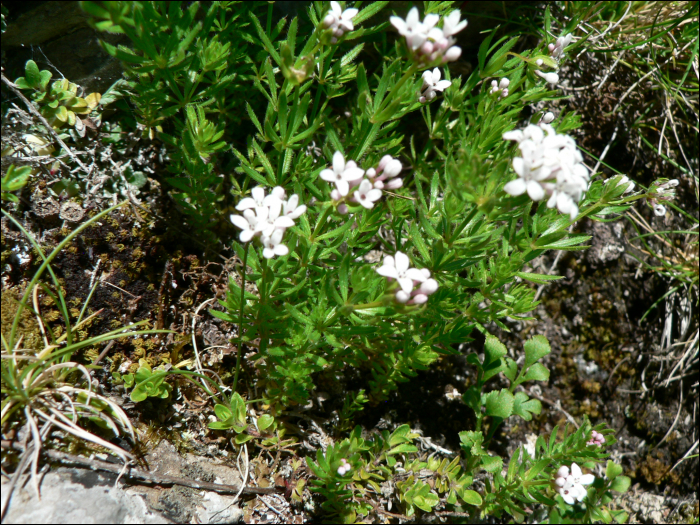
<point>471,497</point>
<point>493,349</point>
<point>525,407</point>
<point>499,404</point>
<point>538,277</point>
<point>222,412</point>
<point>491,463</point>
<point>265,421</point>
<point>536,469</point>
<point>612,470</point>
<point>471,442</point>
<point>32,74</point>
<point>369,11</point>
<point>535,349</point>
<point>537,372</point>
<point>621,484</point>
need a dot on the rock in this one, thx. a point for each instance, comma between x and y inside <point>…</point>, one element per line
<point>71,212</point>
<point>607,244</point>
<point>73,495</point>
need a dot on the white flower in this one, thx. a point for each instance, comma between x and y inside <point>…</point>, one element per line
<point>430,44</point>
<point>551,78</point>
<point>269,219</point>
<point>342,173</point>
<point>366,195</point>
<point>246,223</point>
<point>292,209</point>
<point>432,84</point>
<point>339,21</point>
<point>570,483</point>
<point>411,28</point>
<point>259,199</point>
<point>398,268</point>
<point>452,25</point>
<point>272,245</point>
<point>549,165</point>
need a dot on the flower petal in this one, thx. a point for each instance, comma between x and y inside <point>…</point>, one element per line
<point>343,187</point>
<point>338,162</point>
<point>406,284</point>
<point>402,262</point>
<point>535,190</point>
<point>326,174</point>
<point>246,203</point>
<point>388,271</point>
<point>240,222</point>
<point>515,187</point>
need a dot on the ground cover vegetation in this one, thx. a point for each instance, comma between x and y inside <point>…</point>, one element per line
<point>368,242</point>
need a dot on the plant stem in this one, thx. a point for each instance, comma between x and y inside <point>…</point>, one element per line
<point>392,94</point>
<point>240,318</point>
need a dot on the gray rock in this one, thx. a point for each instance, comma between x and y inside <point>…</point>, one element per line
<point>72,495</point>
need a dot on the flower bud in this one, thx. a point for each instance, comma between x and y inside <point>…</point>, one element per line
<point>551,78</point>
<point>548,117</point>
<point>343,209</point>
<point>329,20</point>
<point>539,61</point>
<point>452,54</point>
<point>659,210</point>
<point>393,184</point>
<point>402,297</point>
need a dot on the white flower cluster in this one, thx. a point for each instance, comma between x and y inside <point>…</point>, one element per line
<point>550,165</point>
<point>346,175</point>
<point>431,85</point>
<point>344,467</point>
<point>557,49</point>
<point>397,267</point>
<point>664,192</point>
<point>268,216</point>
<point>501,88</point>
<point>570,483</point>
<point>430,44</point>
<point>338,21</point>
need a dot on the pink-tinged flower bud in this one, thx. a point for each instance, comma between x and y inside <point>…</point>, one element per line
<point>429,287</point>
<point>452,54</point>
<point>427,48</point>
<point>419,299</point>
<point>494,86</point>
<point>379,184</point>
<point>402,297</point>
<point>393,184</point>
<point>504,93</point>
<point>343,209</point>
<point>371,173</point>
<point>386,159</point>
<point>563,471</point>
<point>278,191</point>
<point>560,482</point>
<point>504,83</point>
<point>329,20</point>
<point>539,61</point>
<point>422,100</point>
<point>393,168</point>
<point>338,32</point>
<point>551,47</point>
<point>334,40</point>
<point>335,194</point>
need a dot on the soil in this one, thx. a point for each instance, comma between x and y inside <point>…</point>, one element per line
<point>609,325</point>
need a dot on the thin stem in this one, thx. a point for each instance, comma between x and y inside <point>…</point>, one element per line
<point>240,318</point>
<point>321,223</point>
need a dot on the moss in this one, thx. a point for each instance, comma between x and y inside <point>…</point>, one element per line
<point>28,327</point>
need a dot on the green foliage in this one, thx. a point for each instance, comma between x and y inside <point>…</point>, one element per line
<point>14,179</point>
<point>60,103</point>
<point>146,382</point>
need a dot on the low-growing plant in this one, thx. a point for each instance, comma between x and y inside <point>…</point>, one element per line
<point>59,103</point>
<point>14,179</point>
<point>364,247</point>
